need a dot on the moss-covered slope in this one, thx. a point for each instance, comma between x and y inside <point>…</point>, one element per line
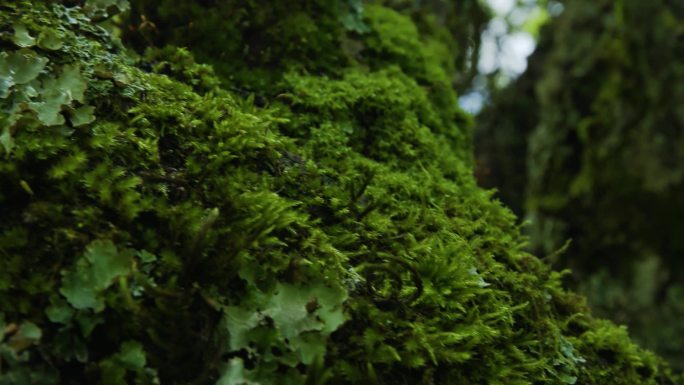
<point>158,227</point>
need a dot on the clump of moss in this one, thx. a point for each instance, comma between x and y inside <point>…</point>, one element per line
<point>329,234</point>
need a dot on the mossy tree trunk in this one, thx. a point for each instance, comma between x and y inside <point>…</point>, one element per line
<point>304,215</point>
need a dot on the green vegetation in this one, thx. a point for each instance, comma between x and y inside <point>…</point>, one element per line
<point>601,105</point>
<point>305,215</point>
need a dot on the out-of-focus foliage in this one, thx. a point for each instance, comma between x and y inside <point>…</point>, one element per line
<point>301,34</point>
<point>464,21</point>
<point>601,107</point>
<point>164,227</point>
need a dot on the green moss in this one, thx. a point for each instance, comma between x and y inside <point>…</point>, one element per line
<point>329,233</point>
<point>250,45</point>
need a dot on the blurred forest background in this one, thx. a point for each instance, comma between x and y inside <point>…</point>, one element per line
<point>583,140</point>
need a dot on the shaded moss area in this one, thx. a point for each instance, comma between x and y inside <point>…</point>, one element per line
<point>166,226</point>
<point>603,164</point>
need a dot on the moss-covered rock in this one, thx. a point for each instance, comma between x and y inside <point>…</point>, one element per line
<point>160,227</point>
